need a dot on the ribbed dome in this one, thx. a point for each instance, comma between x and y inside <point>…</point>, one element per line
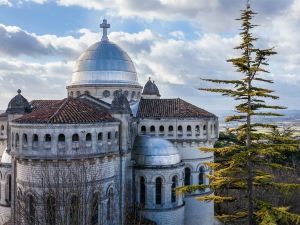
<point>154,151</point>
<point>18,105</point>
<point>150,88</point>
<point>104,63</point>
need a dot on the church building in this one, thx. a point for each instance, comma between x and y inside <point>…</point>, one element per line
<point>109,149</point>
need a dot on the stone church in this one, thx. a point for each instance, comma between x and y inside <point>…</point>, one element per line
<point>109,149</point>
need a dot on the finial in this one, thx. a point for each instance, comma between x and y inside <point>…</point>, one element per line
<point>248,3</point>
<point>19,91</point>
<point>104,25</point>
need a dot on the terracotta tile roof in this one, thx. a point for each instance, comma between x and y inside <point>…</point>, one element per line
<point>66,111</point>
<point>170,108</point>
<point>37,104</point>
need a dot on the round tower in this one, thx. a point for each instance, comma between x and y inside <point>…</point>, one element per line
<point>158,172</point>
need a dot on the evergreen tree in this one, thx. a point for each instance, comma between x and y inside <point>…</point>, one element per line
<point>244,166</point>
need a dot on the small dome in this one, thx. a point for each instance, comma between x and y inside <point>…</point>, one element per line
<point>6,157</point>
<point>18,105</point>
<point>154,151</point>
<point>151,89</point>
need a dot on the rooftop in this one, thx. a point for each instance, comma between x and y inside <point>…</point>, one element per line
<point>170,108</point>
<point>66,111</point>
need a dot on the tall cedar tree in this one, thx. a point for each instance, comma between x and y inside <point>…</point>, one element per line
<point>243,165</point>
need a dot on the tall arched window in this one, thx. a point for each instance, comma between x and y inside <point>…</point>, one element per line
<point>204,129</point>
<point>8,180</point>
<point>197,129</point>
<point>71,94</point>
<point>51,211</point>
<point>47,140</point>
<point>17,140</point>
<point>161,129</point>
<point>86,92</point>
<point>152,129</point>
<point>142,192</point>
<point>189,128</point>
<point>12,140</point>
<point>100,136</point>
<point>35,141</point>
<point>31,210</point>
<point>24,140</point>
<point>180,128</point>
<point>143,129</point>
<point>108,135</point>
<point>171,128</point>
<point>74,210</point>
<point>187,176</point>
<point>95,209</point>
<point>110,205</point>
<point>158,191</point>
<point>75,141</point>
<point>88,137</point>
<point>173,188</point>
<point>116,135</point>
<point>201,175</point>
<point>78,93</point>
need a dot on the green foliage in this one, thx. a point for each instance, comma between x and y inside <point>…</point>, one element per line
<point>245,155</point>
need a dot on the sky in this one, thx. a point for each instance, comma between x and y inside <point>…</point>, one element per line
<point>175,42</point>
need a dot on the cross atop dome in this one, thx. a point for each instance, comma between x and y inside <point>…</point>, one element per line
<point>104,25</point>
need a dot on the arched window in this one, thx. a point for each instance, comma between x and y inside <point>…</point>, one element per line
<point>201,175</point>
<point>197,129</point>
<point>142,192</point>
<point>47,138</point>
<point>78,93</point>
<point>108,135</point>
<point>204,128</point>
<point>143,129</point>
<point>152,129</point>
<point>180,128</point>
<point>116,135</point>
<point>95,209</point>
<point>88,137</point>
<point>100,136</point>
<point>2,127</point>
<point>75,142</point>
<point>173,188</point>
<point>189,128</point>
<point>51,211</point>
<point>71,94</point>
<point>61,138</point>
<point>161,129</point>
<point>171,129</point>
<point>17,140</point>
<point>87,93</point>
<point>158,191</point>
<point>35,141</point>
<point>8,183</point>
<point>75,137</point>
<point>48,141</point>
<point>74,210</point>
<point>187,176</point>
<point>24,140</point>
<point>31,210</point>
<point>106,94</point>
<point>110,205</point>
<point>12,140</point>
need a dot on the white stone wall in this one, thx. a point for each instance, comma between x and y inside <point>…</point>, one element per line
<point>173,216</point>
<point>133,93</point>
<point>208,128</point>
<point>67,148</point>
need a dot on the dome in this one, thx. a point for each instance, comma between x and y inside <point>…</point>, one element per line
<point>104,63</point>
<point>18,105</point>
<point>6,157</point>
<point>150,88</point>
<point>154,151</point>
